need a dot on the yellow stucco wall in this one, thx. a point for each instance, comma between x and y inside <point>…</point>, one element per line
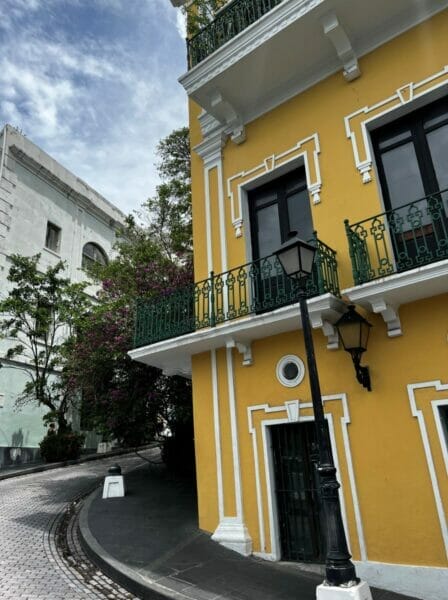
<point>392,482</point>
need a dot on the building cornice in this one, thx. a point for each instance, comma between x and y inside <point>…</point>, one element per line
<point>68,191</point>
<point>41,164</point>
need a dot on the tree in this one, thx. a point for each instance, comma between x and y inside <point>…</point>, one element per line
<point>122,398</point>
<point>200,13</point>
<point>39,313</point>
<point>169,211</point>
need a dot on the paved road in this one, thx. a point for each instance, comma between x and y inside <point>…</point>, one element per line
<point>34,563</point>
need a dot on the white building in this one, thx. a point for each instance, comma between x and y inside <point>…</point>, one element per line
<point>46,209</point>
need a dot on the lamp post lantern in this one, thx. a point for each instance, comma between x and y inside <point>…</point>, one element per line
<point>296,258</point>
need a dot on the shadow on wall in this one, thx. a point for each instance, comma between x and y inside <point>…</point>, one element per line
<point>15,454</point>
<point>17,439</point>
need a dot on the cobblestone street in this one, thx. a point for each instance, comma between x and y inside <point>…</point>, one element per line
<point>40,555</point>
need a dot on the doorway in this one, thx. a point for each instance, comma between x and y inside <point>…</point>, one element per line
<point>296,480</point>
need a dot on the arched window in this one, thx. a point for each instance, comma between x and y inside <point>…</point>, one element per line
<point>91,254</point>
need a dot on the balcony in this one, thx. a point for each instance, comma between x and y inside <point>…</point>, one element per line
<point>251,289</point>
<point>398,240</point>
<point>231,20</point>
<point>256,54</point>
<point>400,256</point>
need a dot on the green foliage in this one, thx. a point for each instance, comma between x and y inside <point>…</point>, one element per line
<point>56,447</point>
<point>121,398</point>
<point>170,210</point>
<point>200,13</point>
<point>39,313</point>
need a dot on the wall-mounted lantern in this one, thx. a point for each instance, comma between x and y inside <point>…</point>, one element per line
<point>354,333</point>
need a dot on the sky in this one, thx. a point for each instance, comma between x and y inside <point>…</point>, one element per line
<point>94,84</point>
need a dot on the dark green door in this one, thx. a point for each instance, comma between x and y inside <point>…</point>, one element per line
<point>296,486</point>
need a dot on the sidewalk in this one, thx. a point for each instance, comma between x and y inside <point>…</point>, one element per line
<point>149,542</point>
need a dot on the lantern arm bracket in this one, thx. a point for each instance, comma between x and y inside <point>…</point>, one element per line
<point>362,372</point>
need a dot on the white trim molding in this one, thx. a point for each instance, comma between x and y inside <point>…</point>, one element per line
<point>210,149</point>
<point>304,152</point>
<point>285,360</point>
<point>232,531</point>
<point>217,431</point>
<point>407,98</point>
<point>419,414</point>
<point>293,412</point>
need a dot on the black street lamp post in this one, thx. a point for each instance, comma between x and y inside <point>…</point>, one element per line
<point>297,258</point>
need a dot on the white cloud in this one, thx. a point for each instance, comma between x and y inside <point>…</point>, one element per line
<point>181,24</point>
<point>95,84</point>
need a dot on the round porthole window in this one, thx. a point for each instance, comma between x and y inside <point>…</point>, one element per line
<point>290,370</point>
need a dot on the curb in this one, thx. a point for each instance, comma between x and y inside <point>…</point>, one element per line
<point>142,587</point>
<point>77,461</point>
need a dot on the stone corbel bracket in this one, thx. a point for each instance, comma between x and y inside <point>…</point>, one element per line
<point>324,312</point>
<point>329,330</point>
<point>338,37</point>
<point>179,372</point>
<point>214,139</point>
<point>245,349</point>
<point>228,117</point>
<point>389,314</point>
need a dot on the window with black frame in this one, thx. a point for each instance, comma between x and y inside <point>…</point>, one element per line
<point>276,209</point>
<point>412,161</point>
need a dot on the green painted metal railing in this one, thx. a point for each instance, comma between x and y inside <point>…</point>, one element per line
<point>404,238</point>
<point>229,22</point>
<point>252,288</point>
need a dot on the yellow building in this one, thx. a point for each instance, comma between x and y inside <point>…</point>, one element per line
<point>327,116</point>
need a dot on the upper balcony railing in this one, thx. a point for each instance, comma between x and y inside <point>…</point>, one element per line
<point>255,287</point>
<point>404,238</point>
<point>231,20</point>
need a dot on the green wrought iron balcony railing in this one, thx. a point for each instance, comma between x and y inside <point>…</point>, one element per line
<point>231,20</point>
<point>253,288</point>
<point>400,239</point>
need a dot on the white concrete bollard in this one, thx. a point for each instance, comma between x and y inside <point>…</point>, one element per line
<point>113,483</point>
<point>355,592</point>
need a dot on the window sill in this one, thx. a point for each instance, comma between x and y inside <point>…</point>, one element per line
<point>52,252</point>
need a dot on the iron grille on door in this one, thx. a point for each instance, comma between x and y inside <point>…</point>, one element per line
<point>297,491</point>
